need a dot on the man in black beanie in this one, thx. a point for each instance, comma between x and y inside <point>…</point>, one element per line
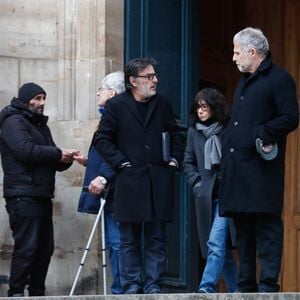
<point>30,159</point>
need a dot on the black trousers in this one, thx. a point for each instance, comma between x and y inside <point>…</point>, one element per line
<point>259,235</point>
<point>32,230</point>
<point>142,256</point>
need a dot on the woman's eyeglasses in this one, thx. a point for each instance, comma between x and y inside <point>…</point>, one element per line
<point>103,89</point>
<point>203,106</point>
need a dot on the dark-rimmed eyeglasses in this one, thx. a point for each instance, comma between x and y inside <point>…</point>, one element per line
<point>203,106</point>
<point>148,76</point>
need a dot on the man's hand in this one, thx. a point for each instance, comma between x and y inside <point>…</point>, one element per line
<point>97,185</point>
<point>267,148</point>
<point>80,158</point>
<point>67,155</point>
<point>172,164</point>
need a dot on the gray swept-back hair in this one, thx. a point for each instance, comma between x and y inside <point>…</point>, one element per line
<point>252,38</point>
<point>114,81</point>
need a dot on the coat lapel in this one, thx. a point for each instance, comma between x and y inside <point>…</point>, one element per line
<point>130,103</point>
<point>200,142</point>
<point>152,105</point>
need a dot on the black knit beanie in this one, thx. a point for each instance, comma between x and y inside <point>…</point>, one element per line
<point>28,91</point>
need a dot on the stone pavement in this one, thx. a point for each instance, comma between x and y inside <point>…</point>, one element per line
<point>193,296</point>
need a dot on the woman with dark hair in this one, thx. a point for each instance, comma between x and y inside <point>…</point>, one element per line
<point>202,157</point>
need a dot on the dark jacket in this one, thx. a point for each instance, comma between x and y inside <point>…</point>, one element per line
<point>265,106</point>
<point>29,155</point>
<point>144,191</point>
<point>96,166</point>
<point>202,182</point>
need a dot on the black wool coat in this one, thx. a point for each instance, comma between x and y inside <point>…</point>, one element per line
<point>144,191</point>
<point>264,106</point>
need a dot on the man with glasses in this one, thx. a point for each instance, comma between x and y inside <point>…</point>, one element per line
<point>130,140</point>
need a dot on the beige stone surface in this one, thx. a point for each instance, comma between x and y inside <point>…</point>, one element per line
<point>28,29</point>
<point>66,46</point>
<point>8,79</point>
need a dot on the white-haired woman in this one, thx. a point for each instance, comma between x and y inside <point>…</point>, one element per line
<point>97,176</point>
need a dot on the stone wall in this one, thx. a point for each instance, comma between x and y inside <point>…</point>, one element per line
<point>66,46</point>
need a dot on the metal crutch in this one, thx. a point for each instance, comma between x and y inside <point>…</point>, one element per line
<point>103,250</point>
<point>87,248</point>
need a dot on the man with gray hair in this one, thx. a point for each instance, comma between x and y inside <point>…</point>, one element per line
<point>264,111</point>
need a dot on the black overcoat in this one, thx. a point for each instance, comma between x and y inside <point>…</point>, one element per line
<point>265,106</point>
<point>145,190</point>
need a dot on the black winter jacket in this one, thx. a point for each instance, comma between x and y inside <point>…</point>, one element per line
<point>28,153</point>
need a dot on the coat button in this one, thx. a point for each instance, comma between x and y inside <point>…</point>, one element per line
<point>242,98</point>
<point>147,147</point>
<point>231,150</point>
<point>236,123</point>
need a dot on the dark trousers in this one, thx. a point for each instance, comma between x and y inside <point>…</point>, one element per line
<point>262,235</point>
<point>142,256</point>
<point>32,229</point>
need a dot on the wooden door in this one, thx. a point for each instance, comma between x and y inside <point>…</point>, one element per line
<point>290,273</point>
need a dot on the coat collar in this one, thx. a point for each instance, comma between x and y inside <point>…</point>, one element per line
<point>263,67</point>
<point>16,107</point>
<point>131,104</point>
<point>266,63</point>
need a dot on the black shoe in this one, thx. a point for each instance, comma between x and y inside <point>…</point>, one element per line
<point>17,295</point>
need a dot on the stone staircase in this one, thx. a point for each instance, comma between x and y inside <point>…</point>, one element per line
<point>193,296</point>
<point>185,296</point>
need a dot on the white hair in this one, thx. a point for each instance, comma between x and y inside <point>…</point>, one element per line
<point>252,38</point>
<point>114,81</point>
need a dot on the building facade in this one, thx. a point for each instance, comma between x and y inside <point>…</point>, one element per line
<point>68,46</point>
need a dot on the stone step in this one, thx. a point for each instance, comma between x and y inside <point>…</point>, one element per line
<point>193,296</point>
